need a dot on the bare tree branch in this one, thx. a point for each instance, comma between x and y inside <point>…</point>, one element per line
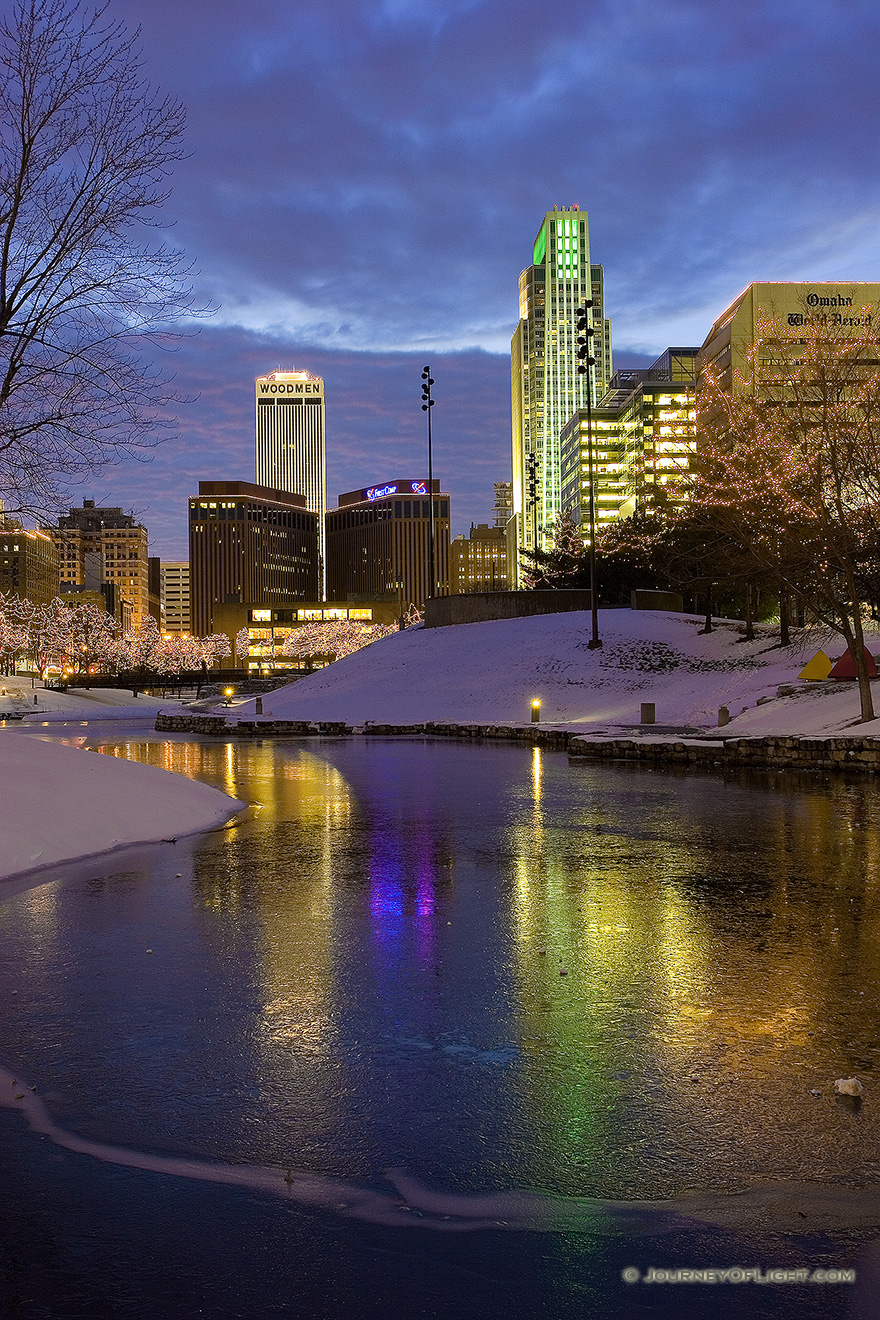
<point>86,148</point>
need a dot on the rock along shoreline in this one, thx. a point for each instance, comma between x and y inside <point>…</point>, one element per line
<point>783,752</point>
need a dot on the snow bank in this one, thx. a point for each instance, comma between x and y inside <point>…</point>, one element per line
<point>59,803</point>
<point>489,672</point>
<point>17,698</point>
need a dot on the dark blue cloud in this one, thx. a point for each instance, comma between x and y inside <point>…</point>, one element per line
<point>365,179</point>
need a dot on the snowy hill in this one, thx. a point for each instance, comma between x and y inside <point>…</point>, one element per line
<point>489,672</point>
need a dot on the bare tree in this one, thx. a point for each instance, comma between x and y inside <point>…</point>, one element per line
<point>86,148</point>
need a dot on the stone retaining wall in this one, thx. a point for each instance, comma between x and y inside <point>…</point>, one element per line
<point>839,753</point>
<point>216,724</point>
<point>778,752</point>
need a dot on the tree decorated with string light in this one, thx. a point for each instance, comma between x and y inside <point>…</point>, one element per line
<point>334,639</point>
<point>789,468</point>
<point>563,565</point>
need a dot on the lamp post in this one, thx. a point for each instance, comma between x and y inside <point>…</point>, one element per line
<point>585,365</point>
<point>401,622</point>
<point>427,405</point>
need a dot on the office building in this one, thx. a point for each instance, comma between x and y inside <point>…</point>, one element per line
<point>249,544</point>
<point>478,562</point>
<point>268,629</point>
<point>291,447</point>
<point>771,315</point>
<point>104,546</point>
<point>154,587</point>
<point>379,543</point>
<point>502,509</point>
<point>174,577</point>
<point>643,442</point>
<point>546,387</point>
<point>28,563</point>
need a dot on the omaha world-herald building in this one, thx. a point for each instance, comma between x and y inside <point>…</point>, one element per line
<point>379,543</point>
<point>769,317</point>
<point>291,446</point>
<point>546,387</point>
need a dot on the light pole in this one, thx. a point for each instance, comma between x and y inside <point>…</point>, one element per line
<point>401,623</point>
<point>427,405</point>
<point>532,467</point>
<point>585,365</point>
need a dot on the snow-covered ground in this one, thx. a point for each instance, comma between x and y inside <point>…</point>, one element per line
<point>489,672</point>
<point>17,697</point>
<point>58,803</point>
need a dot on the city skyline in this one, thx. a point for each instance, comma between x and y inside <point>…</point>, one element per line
<point>362,181</point>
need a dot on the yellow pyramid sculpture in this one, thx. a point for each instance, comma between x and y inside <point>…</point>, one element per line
<point>817,668</point>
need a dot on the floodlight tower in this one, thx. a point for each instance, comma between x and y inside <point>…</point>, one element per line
<point>586,362</point>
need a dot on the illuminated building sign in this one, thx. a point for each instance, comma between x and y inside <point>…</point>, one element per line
<point>386,489</point>
<point>397,488</point>
<point>261,616</point>
<point>291,387</point>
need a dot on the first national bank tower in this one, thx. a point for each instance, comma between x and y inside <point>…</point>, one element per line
<point>291,452</point>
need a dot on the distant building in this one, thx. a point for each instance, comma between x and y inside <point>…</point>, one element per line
<point>643,441</point>
<point>252,545</point>
<point>478,562</point>
<point>104,595</point>
<point>291,445</point>
<point>502,509</point>
<point>28,563</point>
<point>154,584</point>
<point>174,582</point>
<point>268,629</point>
<point>378,543</point>
<point>97,546</point>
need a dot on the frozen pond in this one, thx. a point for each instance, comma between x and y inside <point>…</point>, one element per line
<point>484,969</point>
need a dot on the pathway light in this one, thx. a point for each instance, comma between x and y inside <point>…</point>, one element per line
<point>536,709</point>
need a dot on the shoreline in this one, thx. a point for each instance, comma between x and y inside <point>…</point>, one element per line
<point>699,750</point>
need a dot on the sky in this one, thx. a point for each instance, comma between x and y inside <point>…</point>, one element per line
<point>364,179</point>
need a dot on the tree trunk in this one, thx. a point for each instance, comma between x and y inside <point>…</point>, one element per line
<point>784,637</point>
<point>858,645</point>
<point>708,626</point>
<point>750,614</point>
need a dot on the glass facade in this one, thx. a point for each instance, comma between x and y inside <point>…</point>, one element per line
<point>546,387</point>
<point>643,440</point>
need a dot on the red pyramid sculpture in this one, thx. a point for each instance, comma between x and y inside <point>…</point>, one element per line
<point>846,666</point>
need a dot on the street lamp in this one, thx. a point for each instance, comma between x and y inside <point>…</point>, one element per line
<point>585,363</point>
<point>401,622</point>
<point>427,405</point>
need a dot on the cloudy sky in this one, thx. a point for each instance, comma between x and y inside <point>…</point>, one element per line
<point>365,178</point>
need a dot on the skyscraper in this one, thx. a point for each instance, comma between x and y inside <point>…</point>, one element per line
<point>249,545</point>
<point>104,546</point>
<point>176,616</point>
<point>545,385</point>
<point>291,453</point>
